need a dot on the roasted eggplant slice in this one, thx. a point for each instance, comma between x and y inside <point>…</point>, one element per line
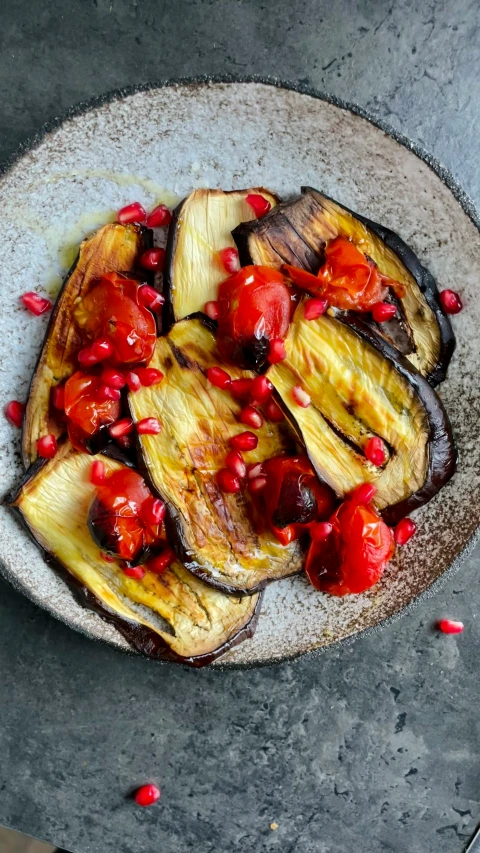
<point>218,536</point>
<point>201,227</point>
<point>113,248</point>
<point>173,615</point>
<point>296,232</point>
<point>361,387</point>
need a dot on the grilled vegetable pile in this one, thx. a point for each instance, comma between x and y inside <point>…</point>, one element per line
<point>282,420</point>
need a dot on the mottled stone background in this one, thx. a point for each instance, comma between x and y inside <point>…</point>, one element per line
<point>373,747</point>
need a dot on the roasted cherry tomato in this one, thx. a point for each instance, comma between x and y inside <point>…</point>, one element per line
<point>85,410</point>
<point>347,279</point>
<point>120,518</point>
<point>112,310</point>
<point>353,556</point>
<point>255,307</point>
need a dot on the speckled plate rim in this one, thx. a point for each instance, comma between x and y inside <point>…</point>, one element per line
<point>445,175</point>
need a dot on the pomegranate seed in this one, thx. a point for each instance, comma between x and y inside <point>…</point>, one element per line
<point>14,412</point>
<point>230,260</point>
<point>121,428</point>
<point>258,203</point>
<point>58,397</point>
<point>257,484</point>
<point>131,213</point>
<point>161,562</point>
<point>97,473</point>
<point>147,794</point>
<point>315,308</point>
<point>153,259</point>
<point>383,311</point>
<point>150,298</point>
<point>137,572</point>
<point>154,512</point>
<point>301,397</point>
<point>112,377</point>
<point>227,481</point>
<point>450,302</point>
<point>105,392</point>
<point>107,557</point>
<point>149,376</point>
<point>47,446</point>
<point>240,388</point>
<point>255,470</point>
<point>375,451</point>
<point>244,441</point>
<point>448,626</point>
<point>102,349</point>
<point>36,304</point>
<point>250,416</point>
<point>274,412</point>
<point>149,426</point>
<point>276,351</point>
<point>133,381</point>
<point>159,217</point>
<point>320,530</point>
<point>364,493</point>
<point>405,529</point>
<point>235,464</point>
<point>211,310</point>
<point>87,358</point>
<point>219,378</point>
<point>261,390</point>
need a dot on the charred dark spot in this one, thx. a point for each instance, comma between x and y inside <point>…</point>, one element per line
<point>168,362</point>
<point>181,358</point>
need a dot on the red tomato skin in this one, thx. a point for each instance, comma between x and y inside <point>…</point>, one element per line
<point>84,409</point>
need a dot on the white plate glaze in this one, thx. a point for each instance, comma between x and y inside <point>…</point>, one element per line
<point>234,135</point>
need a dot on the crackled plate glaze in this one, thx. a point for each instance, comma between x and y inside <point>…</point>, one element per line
<point>156,145</point>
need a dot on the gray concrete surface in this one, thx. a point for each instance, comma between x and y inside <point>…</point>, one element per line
<point>373,747</point>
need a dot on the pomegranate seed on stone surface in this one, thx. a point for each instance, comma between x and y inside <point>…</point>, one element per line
<point>14,412</point>
<point>240,388</point>
<point>449,626</point>
<point>255,470</point>
<point>154,513</point>
<point>162,561</point>
<point>258,203</point>
<point>150,298</point>
<point>257,484</point>
<point>149,426</point>
<point>450,302</point>
<point>58,397</point>
<point>87,358</point>
<point>149,376</point>
<point>133,381</point>
<point>131,213</point>
<point>383,311</point>
<point>229,259</point>
<point>102,349</point>
<point>106,392</point>
<point>219,378</point>
<point>227,481</point>
<point>47,446</point>
<point>250,416</point>
<point>301,397</point>
<point>211,310</point>
<point>98,473</point>
<point>244,441</point>
<point>137,572</point>
<point>159,217</point>
<point>364,493</point>
<point>315,308</point>
<point>36,304</point>
<point>375,451</point>
<point>235,464</point>
<point>405,529</point>
<point>276,351</point>
<point>261,390</point>
<point>153,259</point>
<point>320,530</point>
<point>147,795</point>
<point>112,377</point>
<point>121,428</point>
<point>274,412</point>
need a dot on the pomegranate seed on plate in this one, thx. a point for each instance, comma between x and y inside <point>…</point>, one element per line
<point>227,481</point>
<point>364,493</point>
<point>137,572</point>
<point>240,388</point>
<point>98,473</point>
<point>383,311</point>
<point>450,302</point>
<point>159,217</point>
<point>150,298</point>
<point>154,512</point>
<point>315,308</point>
<point>301,397</point>
<point>258,203</point>
<point>229,259</point>
<point>219,378</point>
<point>257,484</point>
<point>211,310</point>
<point>149,426</point>
<point>276,351</point>
<point>255,470</point>
<point>375,451</point>
<point>153,259</point>
<point>405,529</point>
<point>449,626</point>
<point>147,795</point>
<point>244,441</point>
<point>133,381</point>
<point>36,304</point>
<point>121,428</point>
<point>14,412</point>
<point>112,377</point>
<point>87,358</point>
<point>162,561</point>
<point>102,349</point>
<point>131,213</point>
<point>320,530</point>
<point>261,390</point>
<point>47,446</point>
<point>274,412</point>
<point>149,376</point>
<point>58,397</point>
<point>235,464</point>
<point>106,392</point>
<point>250,416</point>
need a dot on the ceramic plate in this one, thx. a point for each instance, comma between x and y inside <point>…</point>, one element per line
<point>156,145</point>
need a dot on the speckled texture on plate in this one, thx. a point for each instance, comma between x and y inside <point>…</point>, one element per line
<point>231,135</point>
